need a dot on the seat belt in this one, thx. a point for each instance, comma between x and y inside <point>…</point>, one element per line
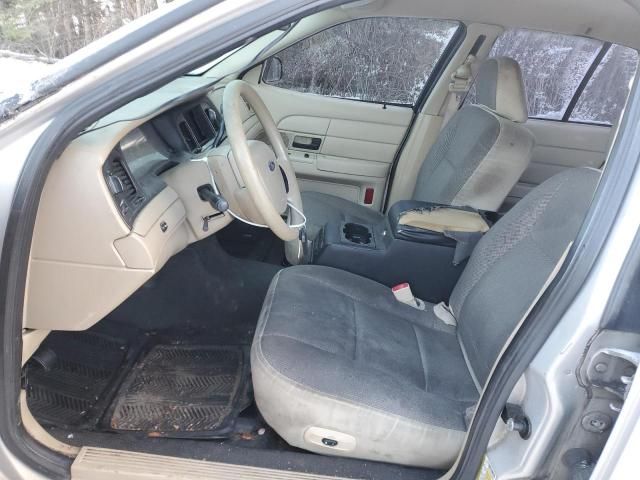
<point>445,314</point>
<point>459,85</point>
<point>461,81</point>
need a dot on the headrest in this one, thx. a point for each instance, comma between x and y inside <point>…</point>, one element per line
<point>499,86</point>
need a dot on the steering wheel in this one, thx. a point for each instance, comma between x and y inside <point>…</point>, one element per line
<point>267,174</point>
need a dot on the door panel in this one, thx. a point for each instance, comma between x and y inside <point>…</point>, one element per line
<point>302,123</point>
<point>362,149</point>
<point>338,146</point>
<point>560,145</point>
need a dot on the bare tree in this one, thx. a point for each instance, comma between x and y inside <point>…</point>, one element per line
<point>373,59</point>
<point>56,28</point>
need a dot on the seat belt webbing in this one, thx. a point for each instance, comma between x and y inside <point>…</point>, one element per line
<point>461,81</point>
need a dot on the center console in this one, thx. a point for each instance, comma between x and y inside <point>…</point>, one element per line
<point>398,249</point>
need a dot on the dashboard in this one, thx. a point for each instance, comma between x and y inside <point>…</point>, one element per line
<point>133,168</point>
<point>120,201</point>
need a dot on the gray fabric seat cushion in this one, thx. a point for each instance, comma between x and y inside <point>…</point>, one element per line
<point>512,262</point>
<point>483,150</point>
<point>457,152</point>
<point>476,160</point>
<point>337,351</point>
<point>352,359</point>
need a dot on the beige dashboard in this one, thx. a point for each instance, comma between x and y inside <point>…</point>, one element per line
<point>85,259</point>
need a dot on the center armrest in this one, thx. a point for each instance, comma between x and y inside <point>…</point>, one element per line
<point>427,222</point>
<point>444,219</point>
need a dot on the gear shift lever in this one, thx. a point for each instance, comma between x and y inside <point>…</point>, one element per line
<point>218,202</point>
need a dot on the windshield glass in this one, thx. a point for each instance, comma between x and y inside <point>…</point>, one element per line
<point>205,68</point>
<point>240,57</point>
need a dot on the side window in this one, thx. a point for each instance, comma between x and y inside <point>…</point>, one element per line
<point>382,59</point>
<point>555,68</point>
<point>606,93</point>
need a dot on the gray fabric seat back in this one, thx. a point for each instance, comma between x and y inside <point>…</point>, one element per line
<point>483,150</point>
<point>513,260</point>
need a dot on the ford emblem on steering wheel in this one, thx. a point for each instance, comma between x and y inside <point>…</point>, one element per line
<point>272,165</point>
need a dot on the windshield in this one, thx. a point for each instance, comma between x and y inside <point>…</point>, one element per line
<point>242,56</point>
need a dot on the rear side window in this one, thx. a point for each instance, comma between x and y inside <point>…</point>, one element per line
<point>570,78</point>
<point>606,92</point>
<point>382,59</point>
<point>552,67</point>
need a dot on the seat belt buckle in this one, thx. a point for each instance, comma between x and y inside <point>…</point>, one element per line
<point>444,313</point>
<point>403,294</point>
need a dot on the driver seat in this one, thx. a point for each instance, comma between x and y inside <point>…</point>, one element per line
<point>340,367</point>
<point>476,160</point>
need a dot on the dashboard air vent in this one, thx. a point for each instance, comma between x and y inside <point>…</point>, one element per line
<point>198,126</point>
<point>127,196</point>
<point>188,136</point>
<point>120,173</point>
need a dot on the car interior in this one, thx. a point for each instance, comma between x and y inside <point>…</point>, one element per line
<point>309,253</point>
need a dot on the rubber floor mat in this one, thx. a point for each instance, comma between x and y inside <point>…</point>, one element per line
<point>77,369</point>
<point>184,391</point>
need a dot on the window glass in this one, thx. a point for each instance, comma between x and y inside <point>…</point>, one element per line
<point>606,93</point>
<point>383,59</point>
<point>553,65</point>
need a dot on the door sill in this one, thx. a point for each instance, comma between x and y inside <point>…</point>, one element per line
<point>94,463</point>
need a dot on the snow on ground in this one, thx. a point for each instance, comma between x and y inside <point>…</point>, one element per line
<point>16,75</point>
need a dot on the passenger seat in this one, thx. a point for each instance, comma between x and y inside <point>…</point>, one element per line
<point>476,160</point>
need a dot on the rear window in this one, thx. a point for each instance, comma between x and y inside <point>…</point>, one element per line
<point>570,78</point>
<point>606,92</point>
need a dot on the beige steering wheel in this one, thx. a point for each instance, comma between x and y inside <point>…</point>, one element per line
<point>260,166</point>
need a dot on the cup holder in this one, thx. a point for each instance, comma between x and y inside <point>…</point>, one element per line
<point>357,233</point>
